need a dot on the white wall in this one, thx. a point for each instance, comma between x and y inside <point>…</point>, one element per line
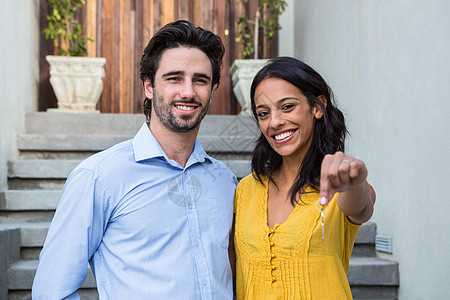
<point>388,63</point>
<point>19,73</point>
<point>286,34</point>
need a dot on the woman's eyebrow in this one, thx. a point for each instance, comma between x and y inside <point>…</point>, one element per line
<point>279,101</point>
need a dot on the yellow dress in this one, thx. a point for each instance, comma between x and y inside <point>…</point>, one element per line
<point>290,261</point>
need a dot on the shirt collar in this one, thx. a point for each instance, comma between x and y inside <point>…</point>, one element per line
<point>146,146</point>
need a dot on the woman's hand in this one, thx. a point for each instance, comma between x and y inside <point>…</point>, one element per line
<point>338,173</point>
<point>347,175</point>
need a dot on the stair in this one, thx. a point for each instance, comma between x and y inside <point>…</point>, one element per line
<point>54,143</point>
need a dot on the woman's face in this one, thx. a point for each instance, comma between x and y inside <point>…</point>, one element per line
<point>285,118</point>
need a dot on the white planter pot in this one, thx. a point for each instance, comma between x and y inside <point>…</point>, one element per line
<point>77,81</point>
<point>242,73</point>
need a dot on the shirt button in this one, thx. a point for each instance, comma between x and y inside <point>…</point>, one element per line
<point>273,255</point>
<point>205,282</point>
<point>272,244</point>
<point>272,231</point>
<point>195,243</point>
<point>274,279</point>
<point>273,267</point>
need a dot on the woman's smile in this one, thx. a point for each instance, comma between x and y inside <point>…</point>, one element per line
<point>284,136</point>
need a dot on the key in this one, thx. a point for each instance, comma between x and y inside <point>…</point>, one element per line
<point>322,212</point>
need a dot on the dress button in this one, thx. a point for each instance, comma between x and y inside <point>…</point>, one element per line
<point>273,255</point>
<point>274,279</point>
<point>273,267</point>
<point>272,231</point>
<point>272,244</point>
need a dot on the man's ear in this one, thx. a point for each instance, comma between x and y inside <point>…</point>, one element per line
<point>317,110</point>
<point>148,88</point>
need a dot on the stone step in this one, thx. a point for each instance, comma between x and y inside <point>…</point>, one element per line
<point>234,144</point>
<point>382,273</point>
<point>365,241</point>
<point>129,124</point>
<point>373,271</point>
<point>41,168</point>
<point>61,168</point>
<point>33,234</point>
<point>375,292</point>
<point>21,273</point>
<point>24,200</point>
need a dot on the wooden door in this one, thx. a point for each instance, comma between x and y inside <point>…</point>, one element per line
<point>121,30</point>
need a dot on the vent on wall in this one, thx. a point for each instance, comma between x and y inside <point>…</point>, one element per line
<point>383,244</point>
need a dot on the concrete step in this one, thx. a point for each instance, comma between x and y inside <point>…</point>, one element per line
<point>20,275</point>
<point>61,168</point>
<point>365,241</point>
<point>375,292</point>
<point>373,278</point>
<point>24,200</point>
<point>373,271</point>
<point>236,144</point>
<point>33,234</point>
<point>129,124</point>
<point>41,168</point>
<point>78,123</point>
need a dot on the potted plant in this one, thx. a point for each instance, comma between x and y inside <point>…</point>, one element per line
<point>253,36</point>
<point>76,79</point>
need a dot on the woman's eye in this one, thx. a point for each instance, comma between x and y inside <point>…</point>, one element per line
<point>288,106</point>
<point>262,114</point>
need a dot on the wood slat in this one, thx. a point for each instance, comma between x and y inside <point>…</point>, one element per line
<point>167,11</point>
<point>106,50</point>
<point>122,29</point>
<point>91,27</point>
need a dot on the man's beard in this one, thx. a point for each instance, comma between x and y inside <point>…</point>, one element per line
<point>183,123</point>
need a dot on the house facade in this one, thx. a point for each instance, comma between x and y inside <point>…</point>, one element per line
<point>388,65</point>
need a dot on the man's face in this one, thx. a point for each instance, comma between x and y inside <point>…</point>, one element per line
<point>182,89</point>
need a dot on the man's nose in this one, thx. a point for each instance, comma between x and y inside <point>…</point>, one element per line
<point>187,90</point>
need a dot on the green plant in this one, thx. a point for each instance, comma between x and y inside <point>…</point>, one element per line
<point>266,20</point>
<point>64,29</point>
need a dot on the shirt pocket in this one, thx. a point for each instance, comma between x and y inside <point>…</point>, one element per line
<point>221,217</point>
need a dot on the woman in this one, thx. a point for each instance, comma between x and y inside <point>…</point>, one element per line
<point>284,248</point>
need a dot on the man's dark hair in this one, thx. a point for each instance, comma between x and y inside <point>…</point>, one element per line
<point>180,33</point>
<point>329,131</point>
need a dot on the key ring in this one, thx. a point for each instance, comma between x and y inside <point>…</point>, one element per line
<point>321,210</point>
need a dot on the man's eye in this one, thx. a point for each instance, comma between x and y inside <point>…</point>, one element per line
<point>201,81</point>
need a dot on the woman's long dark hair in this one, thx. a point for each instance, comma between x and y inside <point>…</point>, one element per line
<point>329,131</point>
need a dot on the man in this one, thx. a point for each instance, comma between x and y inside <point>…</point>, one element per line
<point>149,214</point>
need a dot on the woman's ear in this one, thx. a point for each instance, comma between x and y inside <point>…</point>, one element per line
<point>317,110</point>
<point>148,88</point>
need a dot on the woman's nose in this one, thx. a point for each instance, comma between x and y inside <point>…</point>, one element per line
<point>276,120</point>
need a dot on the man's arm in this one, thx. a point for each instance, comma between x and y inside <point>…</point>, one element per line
<point>74,235</point>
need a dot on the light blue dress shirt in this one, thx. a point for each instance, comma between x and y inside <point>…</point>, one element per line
<point>149,228</point>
